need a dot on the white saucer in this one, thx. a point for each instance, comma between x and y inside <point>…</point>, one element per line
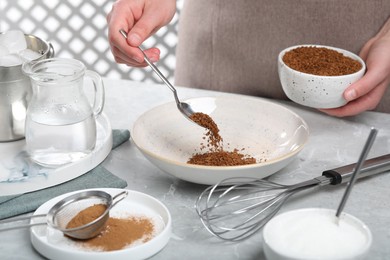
<point>53,244</point>
<point>38,177</point>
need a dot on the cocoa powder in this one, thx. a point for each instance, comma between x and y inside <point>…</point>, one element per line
<point>86,216</point>
<point>119,233</point>
<point>320,61</point>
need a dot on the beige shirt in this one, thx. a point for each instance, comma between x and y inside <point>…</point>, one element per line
<point>232,45</point>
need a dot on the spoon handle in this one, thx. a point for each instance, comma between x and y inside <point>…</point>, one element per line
<point>156,70</point>
<point>362,158</point>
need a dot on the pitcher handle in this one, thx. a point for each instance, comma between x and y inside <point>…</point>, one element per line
<point>98,102</point>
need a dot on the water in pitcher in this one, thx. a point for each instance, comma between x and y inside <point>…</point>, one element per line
<point>60,121</point>
<point>53,143</point>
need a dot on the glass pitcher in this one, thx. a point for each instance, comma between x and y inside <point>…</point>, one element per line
<point>60,122</point>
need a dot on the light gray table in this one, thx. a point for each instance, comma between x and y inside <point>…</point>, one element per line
<point>333,142</point>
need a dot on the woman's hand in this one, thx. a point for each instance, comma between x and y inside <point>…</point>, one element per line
<point>366,93</point>
<point>141,19</point>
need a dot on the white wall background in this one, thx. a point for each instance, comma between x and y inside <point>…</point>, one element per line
<point>78,29</point>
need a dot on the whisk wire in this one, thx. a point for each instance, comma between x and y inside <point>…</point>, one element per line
<point>252,202</point>
<point>241,231</point>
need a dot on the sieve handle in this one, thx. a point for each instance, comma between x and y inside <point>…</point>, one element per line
<point>118,197</point>
<point>370,167</point>
<point>13,220</point>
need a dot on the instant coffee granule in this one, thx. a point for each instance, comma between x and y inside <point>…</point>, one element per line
<point>216,156</point>
<point>320,61</point>
<point>221,158</point>
<point>214,140</point>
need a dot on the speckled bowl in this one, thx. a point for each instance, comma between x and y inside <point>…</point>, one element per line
<point>313,90</point>
<point>269,132</point>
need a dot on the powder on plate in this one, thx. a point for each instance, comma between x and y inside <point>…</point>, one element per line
<point>216,156</point>
<point>320,61</point>
<point>120,233</point>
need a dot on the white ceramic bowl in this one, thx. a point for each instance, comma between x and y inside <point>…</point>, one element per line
<point>314,233</point>
<point>313,90</point>
<point>265,129</point>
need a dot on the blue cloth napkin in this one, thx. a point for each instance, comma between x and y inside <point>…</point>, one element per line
<point>98,177</point>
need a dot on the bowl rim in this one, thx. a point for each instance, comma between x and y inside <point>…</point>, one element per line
<point>343,51</point>
<point>227,168</point>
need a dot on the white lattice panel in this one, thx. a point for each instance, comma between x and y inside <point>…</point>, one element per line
<point>78,29</point>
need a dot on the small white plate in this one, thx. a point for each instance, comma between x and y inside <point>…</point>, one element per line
<point>53,244</point>
<point>12,159</point>
<point>269,132</point>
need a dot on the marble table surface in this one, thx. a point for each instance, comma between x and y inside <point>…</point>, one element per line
<point>333,142</point>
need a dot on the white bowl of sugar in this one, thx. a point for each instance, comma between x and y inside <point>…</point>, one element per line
<point>315,233</point>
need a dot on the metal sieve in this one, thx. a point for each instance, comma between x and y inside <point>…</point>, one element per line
<point>66,209</point>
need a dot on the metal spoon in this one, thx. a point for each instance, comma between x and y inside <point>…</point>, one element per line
<point>362,159</point>
<point>183,107</point>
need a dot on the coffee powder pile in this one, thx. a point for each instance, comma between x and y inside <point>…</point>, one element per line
<point>216,155</point>
<point>320,61</point>
<point>221,158</point>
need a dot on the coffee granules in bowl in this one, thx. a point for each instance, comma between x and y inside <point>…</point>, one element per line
<point>317,76</point>
<point>221,158</point>
<point>216,155</point>
<point>320,61</point>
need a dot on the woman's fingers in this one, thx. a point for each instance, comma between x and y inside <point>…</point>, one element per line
<point>361,104</point>
<point>139,19</point>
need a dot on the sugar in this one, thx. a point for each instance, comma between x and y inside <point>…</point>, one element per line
<point>14,40</point>
<point>316,234</point>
